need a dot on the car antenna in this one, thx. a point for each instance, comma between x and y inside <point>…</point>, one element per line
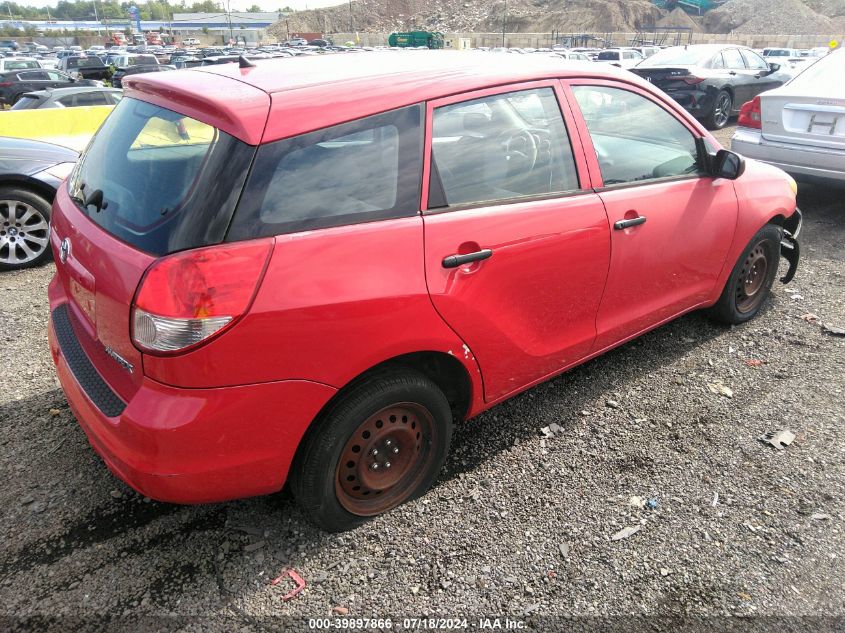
<point>243,62</point>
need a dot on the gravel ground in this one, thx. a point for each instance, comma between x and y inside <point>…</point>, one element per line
<point>518,525</point>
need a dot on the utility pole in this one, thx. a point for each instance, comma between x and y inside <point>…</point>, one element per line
<point>229,20</point>
<point>96,17</point>
<point>504,22</point>
<point>350,16</point>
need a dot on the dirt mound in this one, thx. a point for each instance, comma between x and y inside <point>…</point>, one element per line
<point>785,17</point>
<point>677,17</point>
<point>523,16</point>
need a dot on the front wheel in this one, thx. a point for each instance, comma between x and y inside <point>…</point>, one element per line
<point>721,113</point>
<point>381,444</point>
<point>751,279</point>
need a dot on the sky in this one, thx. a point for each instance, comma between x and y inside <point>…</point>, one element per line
<point>237,5</point>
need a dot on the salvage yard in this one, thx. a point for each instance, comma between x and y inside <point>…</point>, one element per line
<point>660,436</point>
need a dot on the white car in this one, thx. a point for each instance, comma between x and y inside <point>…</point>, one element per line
<point>571,55</point>
<point>18,63</point>
<point>799,127</point>
<point>622,57</point>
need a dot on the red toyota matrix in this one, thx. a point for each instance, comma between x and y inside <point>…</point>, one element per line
<point>307,270</point>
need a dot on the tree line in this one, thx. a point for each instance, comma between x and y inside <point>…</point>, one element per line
<point>110,9</point>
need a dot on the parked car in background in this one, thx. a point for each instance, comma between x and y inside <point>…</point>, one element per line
<point>190,41</point>
<point>572,55</point>
<point>30,173</point>
<point>216,206</point>
<point>133,59</point>
<point>799,127</point>
<point>10,45</point>
<point>622,57</point>
<point>18,63</point>
<point>76,96</point>
<point>781,52</point>
<point>16,83</point>
<point>49,61</point>
<point>84,67</point>
<point>120,73</point>
<point>711,81</point>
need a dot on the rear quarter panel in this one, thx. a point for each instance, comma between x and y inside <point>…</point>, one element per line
<point>333,303</point>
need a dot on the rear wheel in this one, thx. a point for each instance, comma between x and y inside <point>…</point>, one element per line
<point>24,229</point>
<point>381,444</point>
<point>751,279</point>
<point>721,113</point>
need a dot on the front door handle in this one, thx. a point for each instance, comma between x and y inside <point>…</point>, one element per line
<point>624,224</point>
<point>453,261</point>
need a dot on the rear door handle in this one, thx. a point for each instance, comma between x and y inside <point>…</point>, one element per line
<point>624,224</point>
<point>453,261</point>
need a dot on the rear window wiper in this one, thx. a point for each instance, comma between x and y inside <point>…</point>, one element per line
<point>96,198</point>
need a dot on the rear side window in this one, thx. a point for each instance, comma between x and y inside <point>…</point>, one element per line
<point>634,138</point>
<point>356,172</point>
<point>509,145</point>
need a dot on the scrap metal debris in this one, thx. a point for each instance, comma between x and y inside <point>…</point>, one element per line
<point>779,439</point>
<point>810,317</point>
<point>836,330</point>
<point>625,532</point>
<point>290,573</point>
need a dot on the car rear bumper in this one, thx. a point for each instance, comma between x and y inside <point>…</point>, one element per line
<point>803,162</point>
<point>697,102</point>
<point>193,445</point>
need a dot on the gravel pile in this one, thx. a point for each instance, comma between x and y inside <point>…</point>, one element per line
<point>635,484</point>
<point>784,17</point>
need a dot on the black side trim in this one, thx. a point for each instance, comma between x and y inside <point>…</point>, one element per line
<point>85,373</point>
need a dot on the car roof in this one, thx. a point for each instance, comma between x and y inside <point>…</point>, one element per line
<point>326,90</point>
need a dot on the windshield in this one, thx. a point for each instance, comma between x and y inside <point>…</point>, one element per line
<point>21,64</point>
<point>678,56</point>
<point>159,180</point>
<point>605,55</point>
<point>775,52</point>
<point>826,68</point>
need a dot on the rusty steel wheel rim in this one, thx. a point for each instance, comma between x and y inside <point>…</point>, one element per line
<point>385,459</point>
<point>750,286</point>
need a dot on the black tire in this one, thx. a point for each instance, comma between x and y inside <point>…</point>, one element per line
<point>736,305</point>
<point>721,113</point>
<point>317,474</point>
<point>20,247</point>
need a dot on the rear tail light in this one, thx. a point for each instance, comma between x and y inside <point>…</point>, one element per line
<point>189,297</point>
<point>750,114</point>
<point>5,84</point>
<point>693,81</point>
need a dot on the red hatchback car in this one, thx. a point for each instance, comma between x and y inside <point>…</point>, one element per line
<point>305,270</point>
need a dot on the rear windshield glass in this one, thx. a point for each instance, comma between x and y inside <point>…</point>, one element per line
<point>356,172</point>
<point>22,64</point>
<point>159,180</point>
<point>606,55</point>
<point>833,65</point>
<point>679,56</point>
<point>26,103</point>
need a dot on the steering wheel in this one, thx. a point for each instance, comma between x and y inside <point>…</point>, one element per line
<point>520,149</point>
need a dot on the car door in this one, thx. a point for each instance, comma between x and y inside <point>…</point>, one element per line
<point>762,78</point>
<point>517,245</point>
<point>672,225</point>
<point>740,77</point>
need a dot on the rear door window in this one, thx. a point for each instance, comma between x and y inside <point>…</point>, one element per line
<point>366,170</point>
<point>635,139</point>
<point>733,59</point>
<point>509,145</point>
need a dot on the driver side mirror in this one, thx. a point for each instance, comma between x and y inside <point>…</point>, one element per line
<point>727,164</point>
<point>773,67</point>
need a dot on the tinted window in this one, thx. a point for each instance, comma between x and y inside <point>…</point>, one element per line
<point>159,180</point>
<point>608,55</point>
<point>732,58</point>
<point>33,76</point>
<point>90,99</point>
<point>503,146</point>
<point>361,171</point>
<point>634,138</point>
<point>753,60</point>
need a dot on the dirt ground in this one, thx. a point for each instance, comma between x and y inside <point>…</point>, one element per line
<point>519,524</point>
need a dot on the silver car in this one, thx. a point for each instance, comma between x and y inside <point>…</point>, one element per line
<point>799,127</point>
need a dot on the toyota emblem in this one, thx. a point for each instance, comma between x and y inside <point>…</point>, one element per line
<point>64,250</point>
